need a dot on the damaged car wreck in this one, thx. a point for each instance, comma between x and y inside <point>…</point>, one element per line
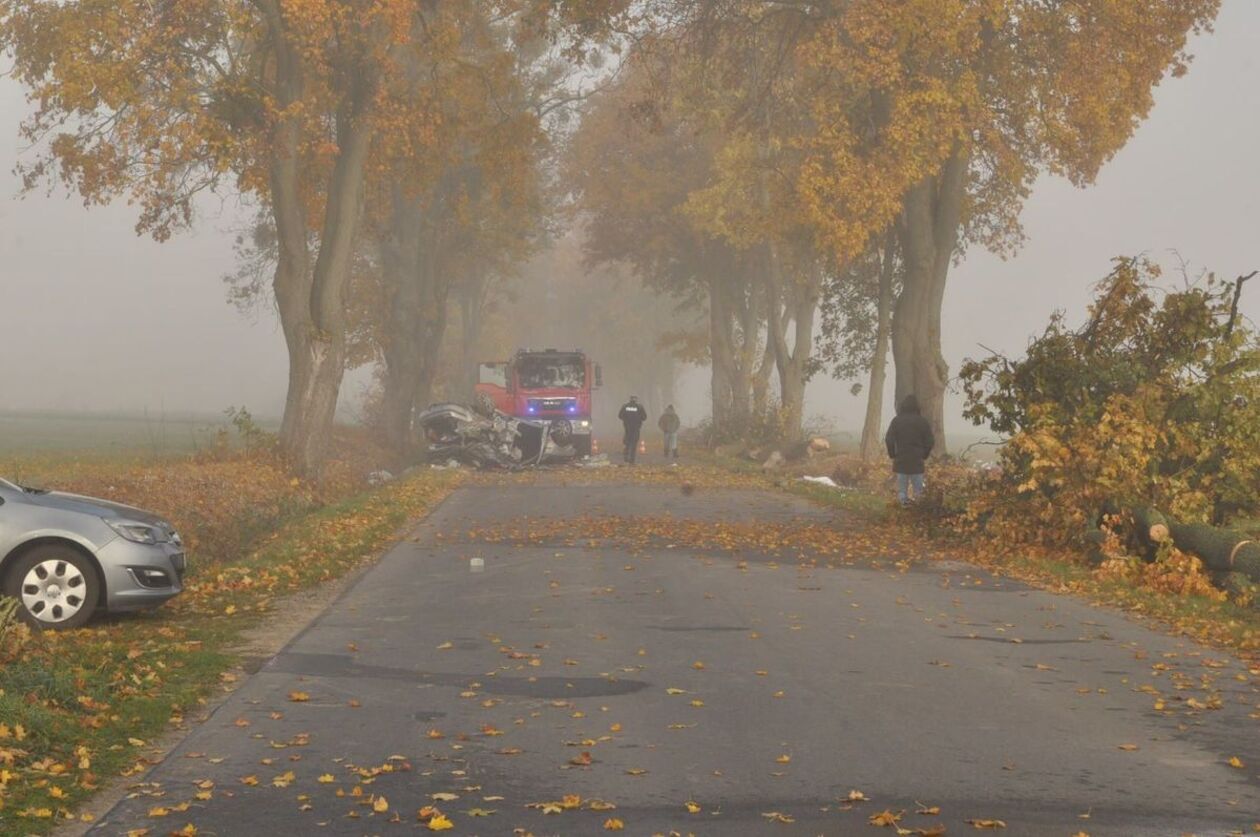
<point>488,438</point>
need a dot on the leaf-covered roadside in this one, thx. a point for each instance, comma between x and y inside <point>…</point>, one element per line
<point>77,708</point>
<point>1175,593</point>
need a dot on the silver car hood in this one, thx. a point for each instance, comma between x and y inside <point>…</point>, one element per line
<point>92,505</point>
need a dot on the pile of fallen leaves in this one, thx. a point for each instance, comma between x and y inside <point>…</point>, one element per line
<point>79,706</point>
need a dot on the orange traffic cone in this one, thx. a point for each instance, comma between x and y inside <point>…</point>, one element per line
<point>594,446</point>
<point>642,446</point>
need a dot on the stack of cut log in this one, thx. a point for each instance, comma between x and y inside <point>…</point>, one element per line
<point>1232,556</point>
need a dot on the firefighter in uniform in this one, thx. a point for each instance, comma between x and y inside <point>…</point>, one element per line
<point>632,416</point>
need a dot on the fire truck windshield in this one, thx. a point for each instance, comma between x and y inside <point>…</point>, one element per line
<point>559,371</point>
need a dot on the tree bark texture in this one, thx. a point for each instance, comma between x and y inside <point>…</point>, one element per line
<point>928,231</point>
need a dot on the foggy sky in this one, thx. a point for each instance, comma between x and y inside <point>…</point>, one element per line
<point>94,318</point>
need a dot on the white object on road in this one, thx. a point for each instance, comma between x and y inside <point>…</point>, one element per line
<point>827,481</point>
<point>477,564</point>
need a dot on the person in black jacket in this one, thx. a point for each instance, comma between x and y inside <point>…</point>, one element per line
<point>632,416</point>
<point>909,441</point>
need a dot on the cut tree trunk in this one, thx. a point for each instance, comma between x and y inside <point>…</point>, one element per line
<point>1222,550</point>
<point>1152,527</point>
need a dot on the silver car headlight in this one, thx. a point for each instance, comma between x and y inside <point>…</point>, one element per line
<point>137,532</point>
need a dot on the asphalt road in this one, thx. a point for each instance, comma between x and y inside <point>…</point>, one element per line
<point>938,687</point>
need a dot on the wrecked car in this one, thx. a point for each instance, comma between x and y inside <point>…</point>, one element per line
<point>488,438</point>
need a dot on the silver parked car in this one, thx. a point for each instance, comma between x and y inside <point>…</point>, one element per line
<point>64,557</point>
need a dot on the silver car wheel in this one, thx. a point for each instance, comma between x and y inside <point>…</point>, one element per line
<point>53,591</point>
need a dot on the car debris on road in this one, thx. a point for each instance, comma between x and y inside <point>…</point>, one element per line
<point>487,438</point>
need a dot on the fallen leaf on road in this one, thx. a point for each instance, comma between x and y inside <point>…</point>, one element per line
<point>480,812</point>
<point>581,760</point>
<point>884,819</point>
<point>439,822</point>
<point>380,804</point>
<point>784,759</point>
<point>1234,761</point>
<point>1129,747</point>
<point>857,796</point>
<point>325,779</point>
<point>446,646</point>
<point>614,824</point>
<point>692,807</point>
<point>636,771</point>
<point>986,823</point>
<point>673,691</point>
<point>775,816</point>
<point>299,697</point>
<point>600,805</point>
<point>928,810</point>
<point>445,797</point>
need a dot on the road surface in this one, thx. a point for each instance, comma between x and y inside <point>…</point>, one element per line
<point>762,692</point>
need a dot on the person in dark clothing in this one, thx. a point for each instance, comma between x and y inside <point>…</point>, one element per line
<point>632,416</point>
<point>909,441</point>
<point>669,424</point>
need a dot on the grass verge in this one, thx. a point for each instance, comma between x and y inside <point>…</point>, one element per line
<point>81,705</point>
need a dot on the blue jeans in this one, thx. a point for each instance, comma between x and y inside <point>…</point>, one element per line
<point>905,482</point>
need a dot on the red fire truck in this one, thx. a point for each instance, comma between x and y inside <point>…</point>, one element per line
<point>547,385</point>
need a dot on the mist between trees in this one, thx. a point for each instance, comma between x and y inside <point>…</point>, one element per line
<point>774,189</point>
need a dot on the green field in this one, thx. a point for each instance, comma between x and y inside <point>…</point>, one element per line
<point>53,432</point>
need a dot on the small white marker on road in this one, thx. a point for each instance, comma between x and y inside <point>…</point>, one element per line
<point>477,564</point>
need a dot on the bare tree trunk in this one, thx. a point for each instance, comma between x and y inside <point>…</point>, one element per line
<point>309,299</point>
<point>761,379</point>
<point>798,302</point>
<point>929,236</point>
<point>400,255</point>
<point>292,281</point>
<point>311,426</point>
<point>721,339</point>
<point>417,317</point>
<point>472,296</point>
<point>872,427</point>
<point>435,293</point>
